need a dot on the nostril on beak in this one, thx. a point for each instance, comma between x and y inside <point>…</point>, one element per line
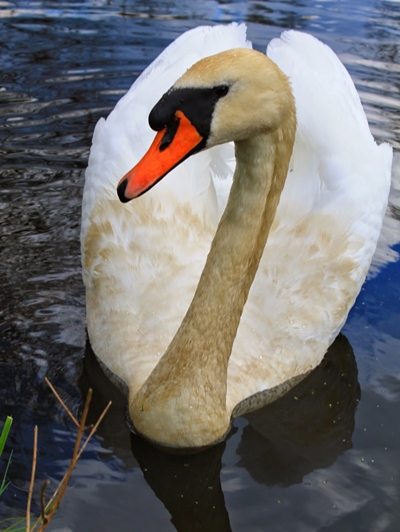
<point>121,191</point>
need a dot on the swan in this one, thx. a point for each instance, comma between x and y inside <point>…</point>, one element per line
<point>219,287</point>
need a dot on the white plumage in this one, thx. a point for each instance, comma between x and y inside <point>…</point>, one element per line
<point>142,260</point>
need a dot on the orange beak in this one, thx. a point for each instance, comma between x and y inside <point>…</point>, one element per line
<point>162,156</point>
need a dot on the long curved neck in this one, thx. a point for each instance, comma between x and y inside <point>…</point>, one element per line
<point>189,384</point>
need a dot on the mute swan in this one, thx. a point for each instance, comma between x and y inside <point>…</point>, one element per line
<point>174,328</point>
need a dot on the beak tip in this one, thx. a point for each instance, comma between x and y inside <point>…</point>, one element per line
<point>121,191</point>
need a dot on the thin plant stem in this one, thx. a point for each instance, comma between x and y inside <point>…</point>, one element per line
<point>55,494</point>
<point>93,430</point>
<point>42,503</point>
<point>64,482</point>
<point>71,415</point>
<point>48,510</point>
<point>12,528</point>
<point>33,472</point>
<point>3,485</point>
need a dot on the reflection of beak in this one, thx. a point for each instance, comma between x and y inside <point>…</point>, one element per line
<point>162,156</point>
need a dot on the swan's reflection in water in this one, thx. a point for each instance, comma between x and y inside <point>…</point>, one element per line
<point>309,427</point>
<point>305,430</point>
<point>189,486</point>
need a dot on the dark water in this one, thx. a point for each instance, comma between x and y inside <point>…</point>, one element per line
<point>327,455</point>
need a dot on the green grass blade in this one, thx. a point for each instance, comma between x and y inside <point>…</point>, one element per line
<point>3,485</point>
<point>13,527</point>
<point>4,433</point>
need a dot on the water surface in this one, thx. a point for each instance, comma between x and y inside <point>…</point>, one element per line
<point>324,457</point>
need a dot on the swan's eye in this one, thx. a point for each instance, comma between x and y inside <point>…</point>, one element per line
<point>221,90</point>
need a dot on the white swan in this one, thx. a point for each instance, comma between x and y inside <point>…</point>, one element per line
<point>189,371</point>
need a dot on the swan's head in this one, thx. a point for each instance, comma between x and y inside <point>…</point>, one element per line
<point>231,96</point>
